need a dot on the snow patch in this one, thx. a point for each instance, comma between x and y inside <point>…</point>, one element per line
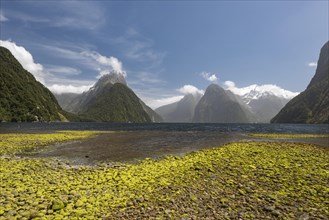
<point>257,91</point>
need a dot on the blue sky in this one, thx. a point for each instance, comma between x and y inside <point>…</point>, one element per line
<point>163,46</point>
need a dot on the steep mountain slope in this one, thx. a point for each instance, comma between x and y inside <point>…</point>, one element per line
<point>78,104</point>
<point>22,98</point>
<point>65,99</point>
<point>312,105</point>
<point>181,111</point>
<point>266,107</point>
<point>216,106</point>
<point>116,103</point>
<point>111,100</point>
<point>155,117</point>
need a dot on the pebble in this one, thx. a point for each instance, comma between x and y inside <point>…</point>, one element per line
<point>276,213</point>
<point>269,208</point>
<point>304,216</point>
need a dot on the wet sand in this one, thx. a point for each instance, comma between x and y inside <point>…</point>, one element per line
<point>131,146</point>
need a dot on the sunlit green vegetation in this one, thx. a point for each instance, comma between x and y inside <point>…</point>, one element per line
<point>290,135</point>
<point>239,180</point>
<point>18,143</point>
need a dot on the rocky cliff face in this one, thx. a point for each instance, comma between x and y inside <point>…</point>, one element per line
<point>312,105</point>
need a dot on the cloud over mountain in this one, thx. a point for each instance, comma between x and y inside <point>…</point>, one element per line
<point>266,88</point>
<point>106,62</point>
<point>189,89</point>
<point>210,77</point>
<point>2,17</point>
<point>60,89</point>
<point>25,58</point>
<point>312,64</point>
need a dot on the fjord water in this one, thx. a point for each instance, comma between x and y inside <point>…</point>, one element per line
<point>219,127</point>
<point>243,128</point>
<point>132,142</point>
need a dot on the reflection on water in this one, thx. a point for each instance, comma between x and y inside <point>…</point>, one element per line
<point>136,145</point>
<point>137,141</point>
<point>250,128</point>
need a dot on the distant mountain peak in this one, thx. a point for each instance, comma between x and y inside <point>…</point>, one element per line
<point>260,91</point>
<point>218,106</point>
<point>113,77</point>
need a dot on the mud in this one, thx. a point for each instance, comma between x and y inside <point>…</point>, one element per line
<point>132,146</point>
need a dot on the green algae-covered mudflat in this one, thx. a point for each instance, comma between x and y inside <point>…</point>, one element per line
<point>255,180</point>
<point>290,135</point>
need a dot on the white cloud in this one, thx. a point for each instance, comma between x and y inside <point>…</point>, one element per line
<point>25,58</point>
<point>2,17</point>
<point>59,89</point>
<point>48,76</point>
<point>106,62</point>
<point>139,48</point>
<point>65,70</point>
<point>63,14</point>
<point>189,89</point>
<point>159,97</point>
<point>155,103</point>
<point>210,77</point>
<point>269,88</point>
<point>79,15</point>
<point>142,51</point>
<point>144,78</point>
<point>312,64</point>
<point>229,84</point>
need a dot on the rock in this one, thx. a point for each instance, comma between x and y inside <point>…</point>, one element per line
<point>57,205</point>
<point>269,208</point>
<point>304,216</point>
<point>79,203</point>
<point>276,213</point>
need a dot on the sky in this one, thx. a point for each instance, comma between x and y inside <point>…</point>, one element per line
<point>167,49</point>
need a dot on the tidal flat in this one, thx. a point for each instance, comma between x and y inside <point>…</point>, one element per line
<point>257,179</point>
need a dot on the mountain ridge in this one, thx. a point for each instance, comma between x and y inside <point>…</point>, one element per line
<point>216,106</point>
<point>22,97</point>
<point>111,100</point>
<point>312,105</point>
<point>181,111</point>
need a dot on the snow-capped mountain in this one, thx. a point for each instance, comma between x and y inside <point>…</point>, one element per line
<point>265,101</point>
<point>259,91</point>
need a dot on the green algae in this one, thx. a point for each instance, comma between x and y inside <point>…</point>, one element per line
<point>239,180</point>
<point>290,135</point>
<point>18,143</point>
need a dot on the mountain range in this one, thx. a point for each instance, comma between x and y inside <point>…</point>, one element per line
<point>255,105</point>
<point>312,105</point>
<point>23,98</point>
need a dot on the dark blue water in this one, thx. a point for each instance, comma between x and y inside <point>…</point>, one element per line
<point>247,128</point>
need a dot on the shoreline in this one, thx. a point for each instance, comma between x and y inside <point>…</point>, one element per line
<point>253,179</point>
<point>134,146</point>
